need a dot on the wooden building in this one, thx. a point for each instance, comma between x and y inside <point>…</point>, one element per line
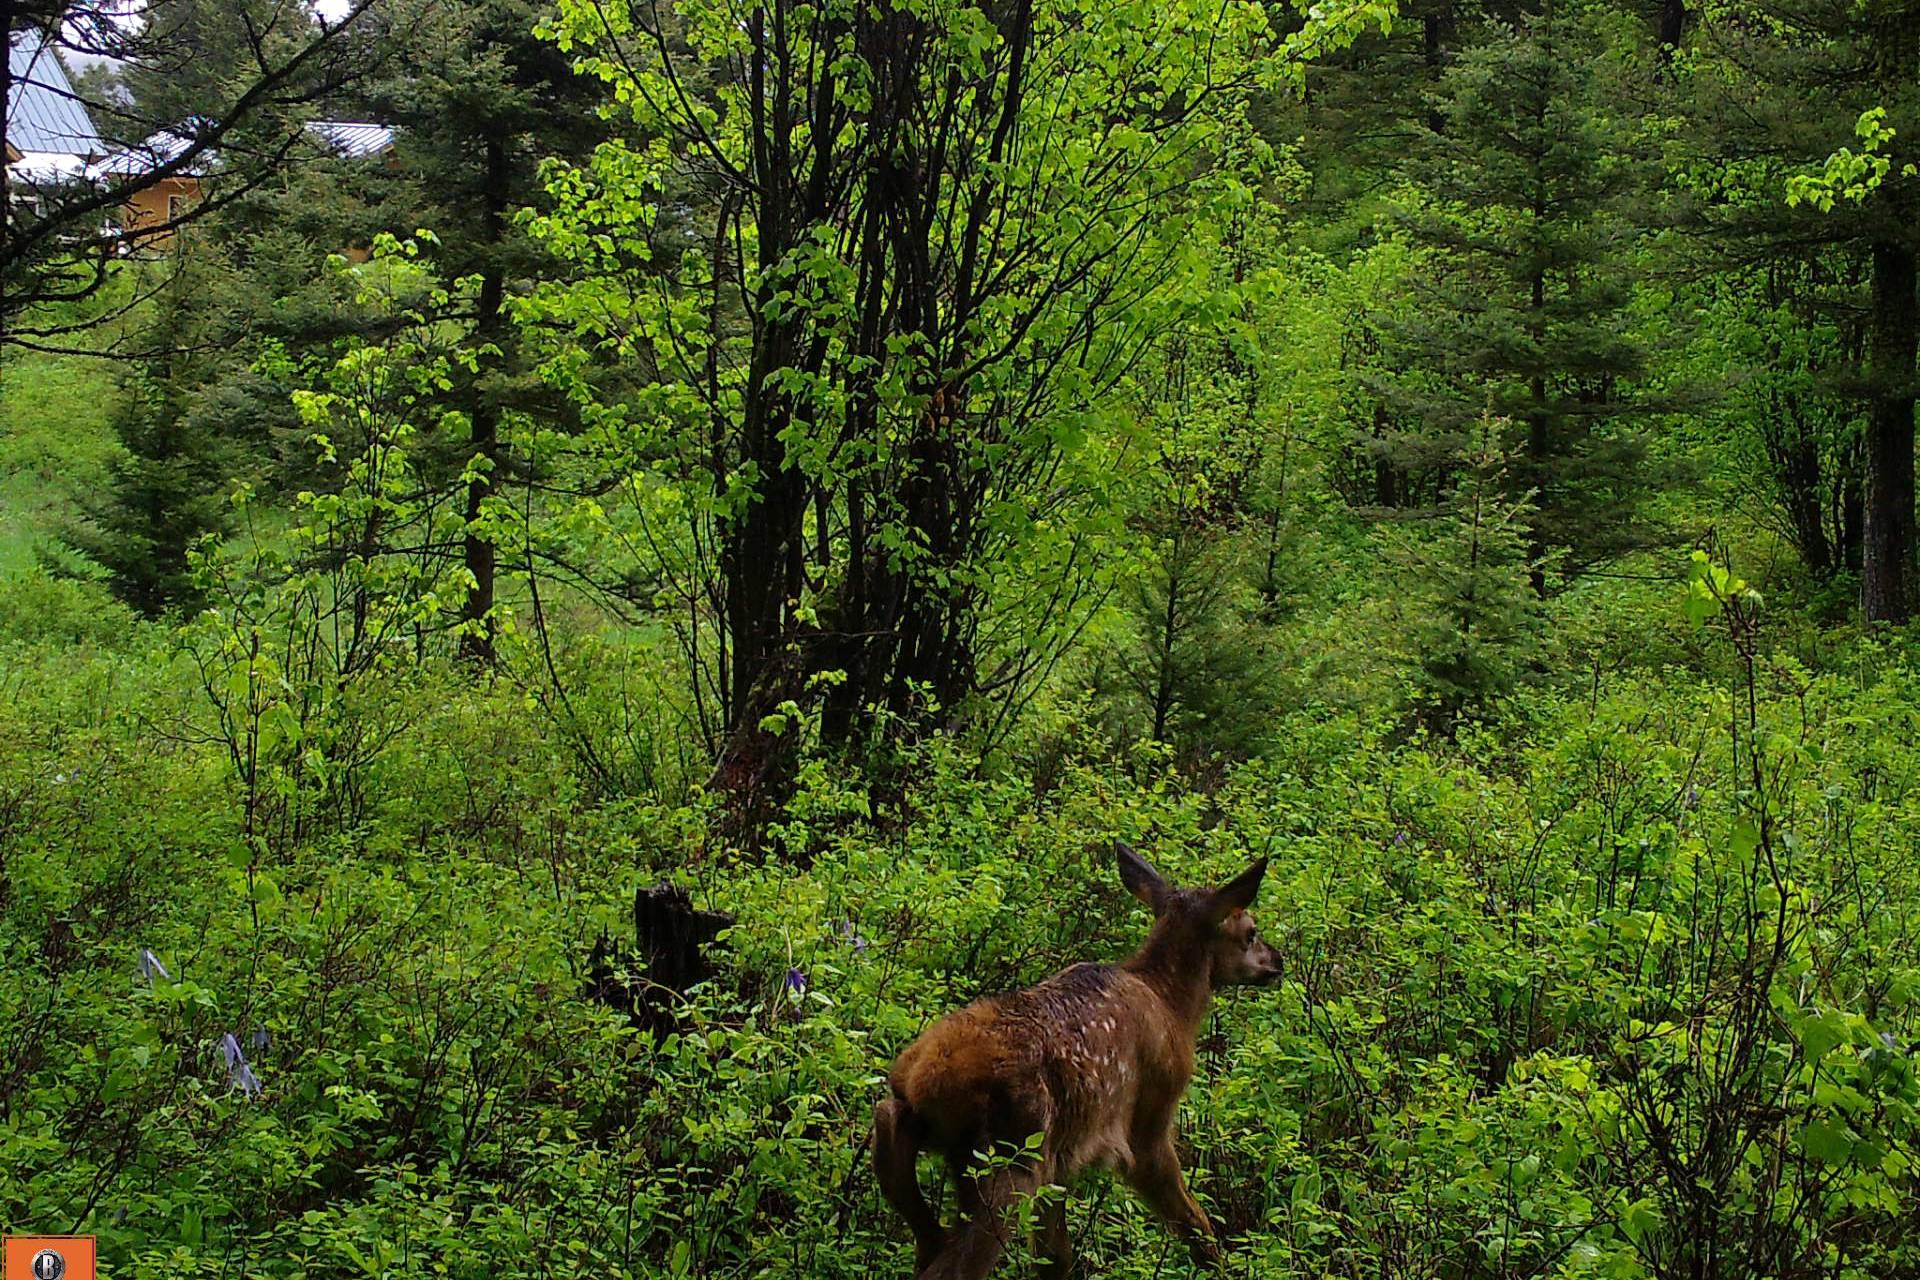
<point>153,204</point>
<point>158,205</point>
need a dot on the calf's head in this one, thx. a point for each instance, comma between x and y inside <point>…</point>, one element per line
<point>1211,927</point>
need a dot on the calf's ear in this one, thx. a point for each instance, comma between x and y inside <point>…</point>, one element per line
<point>1237,893</point>
<point>1138,875</point>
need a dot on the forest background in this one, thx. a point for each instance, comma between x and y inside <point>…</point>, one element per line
<point>853,461</point>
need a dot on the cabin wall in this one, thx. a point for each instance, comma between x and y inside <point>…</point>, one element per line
<point>156,206</point>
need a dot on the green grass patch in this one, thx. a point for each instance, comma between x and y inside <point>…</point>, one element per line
<point>56,448</point>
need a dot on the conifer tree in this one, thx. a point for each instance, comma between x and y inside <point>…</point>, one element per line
<point>1524,191</point>
<point>1478,621</point>
<point>170,487</point>
<point>250,300</point>
<point>1190,667</point>
<point>204,53</point>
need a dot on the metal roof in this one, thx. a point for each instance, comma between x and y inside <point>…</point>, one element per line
<point>351,139</point>
<point>162,148</point>
<point>46,168</point>
<point>341,138</point>
<point>43,112</point>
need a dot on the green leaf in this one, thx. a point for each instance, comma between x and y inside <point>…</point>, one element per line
<point>1827,1141</point>
<point>1820,1035</point>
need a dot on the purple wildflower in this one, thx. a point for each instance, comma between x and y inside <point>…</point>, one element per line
<point>852,935</point>
<point>150,966</point>
<point>248,1082</point>
<point>260,1039</point>
<point>237,1069</point>
<point>1399,839</point>
<point>796,983</point>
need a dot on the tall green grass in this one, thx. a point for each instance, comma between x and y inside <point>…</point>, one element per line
<point>56,448</point>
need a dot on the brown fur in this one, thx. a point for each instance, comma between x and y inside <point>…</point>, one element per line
<point>1095,1059</point>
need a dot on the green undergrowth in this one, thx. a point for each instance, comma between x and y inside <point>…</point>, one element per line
<point>1626,989</point>
<point>56,448</point>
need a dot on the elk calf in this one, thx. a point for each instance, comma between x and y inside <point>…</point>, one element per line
<point>1095,1059</point>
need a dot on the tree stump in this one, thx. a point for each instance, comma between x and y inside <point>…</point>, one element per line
<point>667,958</point>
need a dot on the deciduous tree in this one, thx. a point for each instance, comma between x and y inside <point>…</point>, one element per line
<point>937,236</point>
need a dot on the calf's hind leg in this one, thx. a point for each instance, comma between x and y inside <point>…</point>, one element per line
<point>896,1150</point>
<point>985,1224</point>
<point>1051,1241</point>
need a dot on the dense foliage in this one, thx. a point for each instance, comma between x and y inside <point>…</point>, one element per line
<point>855,463</point>
<point>1625,993</point>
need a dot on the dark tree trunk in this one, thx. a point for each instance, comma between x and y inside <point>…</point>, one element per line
<point>478,551</point>
<point>1670,25</point>
<point>1439,35</point>
<point>1388,484</point>
<point>898,512</point>
<point>1539,440</point>
<point>1886,572</point>
<point>762,552</point>
<point>761,563</point>
<point>477,643</point>
<point>1389,479</point>
<point>6,195</point>
<point>758,560</point>
<point>1804,490</point>
<point>765,494</point>
<point>900,622</point>
<point>931,661</point>
<point>1851,521</point>
<point>1810,528</point>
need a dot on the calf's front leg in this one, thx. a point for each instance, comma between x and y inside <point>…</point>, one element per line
<point>1156,1176</point>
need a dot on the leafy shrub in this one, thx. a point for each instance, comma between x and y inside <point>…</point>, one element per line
<point>1632,995</point>
<point>39,607</point>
